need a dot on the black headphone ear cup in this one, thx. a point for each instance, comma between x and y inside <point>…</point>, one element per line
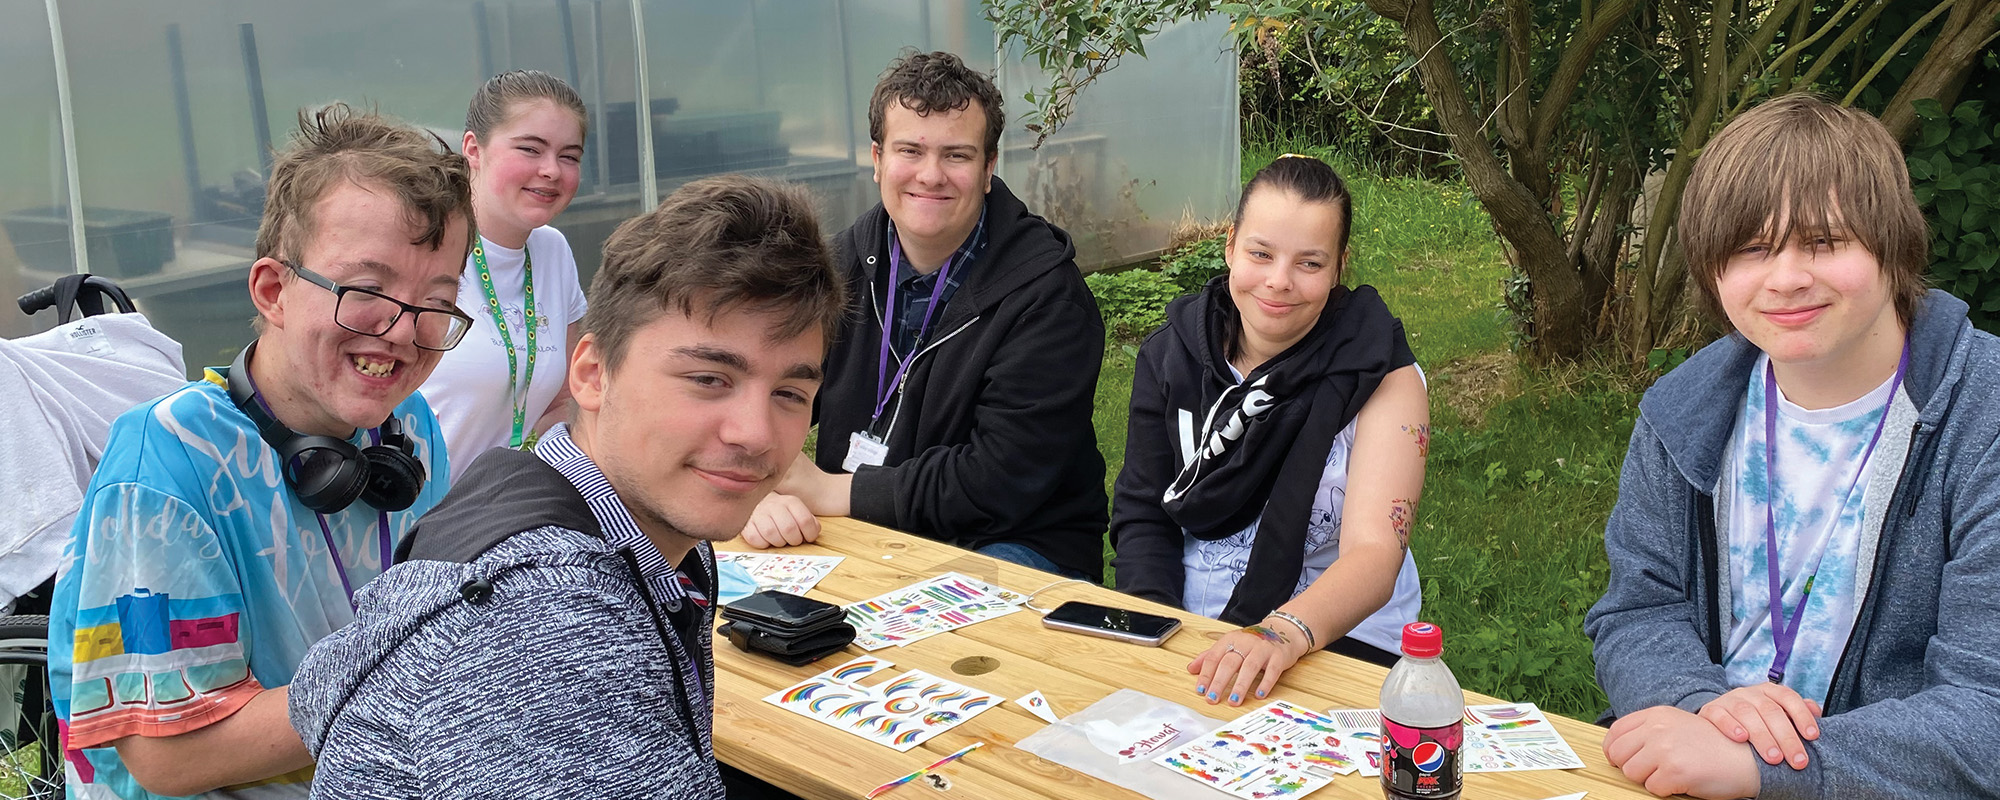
<point>327,474</point>
<point>395,478</point>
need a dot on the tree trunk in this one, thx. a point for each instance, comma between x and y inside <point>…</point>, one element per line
<point>1967,32</point>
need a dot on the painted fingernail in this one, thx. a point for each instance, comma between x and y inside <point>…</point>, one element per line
<point>1236,698</point>
<point>1201,689</point>
<point>1260,692</point>
<point>1211,697</point>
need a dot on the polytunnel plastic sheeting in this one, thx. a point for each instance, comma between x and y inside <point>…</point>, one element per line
<point>35,244</point>
<point>176,106</point>
<point>1153,146</point>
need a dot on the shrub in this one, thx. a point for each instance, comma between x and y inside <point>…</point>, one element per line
<point>1191,265</point>
<point>1955,169</point>
<point>1133,302</point>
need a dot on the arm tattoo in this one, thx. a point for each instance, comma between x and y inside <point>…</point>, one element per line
<point>1267,634</point>
<point>1423,435</point>
<point>1401,514</point>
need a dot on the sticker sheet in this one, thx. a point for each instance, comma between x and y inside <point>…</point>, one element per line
<point>1514,737</point>
<point>1280,750</point>
<point>1510,737</point>
<point>784,573</point>
<point>922,610</point>
<point>901,711</point>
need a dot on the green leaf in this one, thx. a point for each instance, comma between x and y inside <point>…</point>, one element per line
<point>1920,170</point>
<point>1950,204</point>
<point>1928,108</point>
<point>1969,112</point>
<point>1934,133</point>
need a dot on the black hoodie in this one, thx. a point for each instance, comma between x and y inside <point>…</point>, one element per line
<point>992,441</point>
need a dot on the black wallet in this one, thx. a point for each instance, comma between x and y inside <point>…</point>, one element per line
<point>793,629</point>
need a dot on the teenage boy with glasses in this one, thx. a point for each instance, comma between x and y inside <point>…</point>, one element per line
<point>231,522</point>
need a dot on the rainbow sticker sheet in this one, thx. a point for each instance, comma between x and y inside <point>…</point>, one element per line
<point>1280,750</point>
<point>901,711</point>
<point>1508,737</point>
<point>926,609</point>
<point>780,572</point>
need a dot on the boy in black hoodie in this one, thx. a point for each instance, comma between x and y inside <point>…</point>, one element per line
<point>971,423</point>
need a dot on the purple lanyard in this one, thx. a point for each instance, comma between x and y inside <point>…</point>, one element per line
<point>339,566</point>
<point>885,387</point>
<point>1784,635</point>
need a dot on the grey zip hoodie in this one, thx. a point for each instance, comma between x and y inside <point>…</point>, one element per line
<point>496,663</point>
<point>1916,693</point>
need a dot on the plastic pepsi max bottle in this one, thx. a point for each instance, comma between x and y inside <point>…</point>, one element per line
<point>1422,729</point>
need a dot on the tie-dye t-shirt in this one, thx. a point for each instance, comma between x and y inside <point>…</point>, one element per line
<point>194,579</point>
<point>1819,520</point>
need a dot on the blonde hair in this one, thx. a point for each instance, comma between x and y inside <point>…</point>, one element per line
<point>1825,168</point>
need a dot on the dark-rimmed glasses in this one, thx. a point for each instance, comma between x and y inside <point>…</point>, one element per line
<point>372,313</point>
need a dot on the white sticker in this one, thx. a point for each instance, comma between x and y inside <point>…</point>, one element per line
<point>864,449</point>
<point>87,337</point>
<point>1038,705</point>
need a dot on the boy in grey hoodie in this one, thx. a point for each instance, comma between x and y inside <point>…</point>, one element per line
<point>1805,554</point>
<point>546,630</point>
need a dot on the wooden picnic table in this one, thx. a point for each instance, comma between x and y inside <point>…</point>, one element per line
<point>817,761</point>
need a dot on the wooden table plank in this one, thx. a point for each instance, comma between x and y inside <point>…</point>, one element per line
<point>817,761</point>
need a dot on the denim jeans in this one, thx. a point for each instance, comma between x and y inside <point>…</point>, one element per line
<point>1026,556</point>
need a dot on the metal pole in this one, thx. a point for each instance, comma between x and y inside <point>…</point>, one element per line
<point>184,111</point>
<point>649,181</point>
<point>260,120</point>
<point>480,29</point>
<point>80,257</point>
<point>603,151</point>
<point>846,78</point>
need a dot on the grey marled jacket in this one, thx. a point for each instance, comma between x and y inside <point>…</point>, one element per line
<point>540,669</point>
<point>1916,694</point>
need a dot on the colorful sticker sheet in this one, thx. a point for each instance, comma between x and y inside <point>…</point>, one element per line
<point>1514,737</point>
<point>926,609</point>
<point>781,572</point>
<point>1279,750</point>
<point>1510,737</point>
<point>902,712</point>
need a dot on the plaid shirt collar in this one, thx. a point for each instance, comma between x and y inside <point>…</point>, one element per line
<point>913,290</point>
<point>620,529</point>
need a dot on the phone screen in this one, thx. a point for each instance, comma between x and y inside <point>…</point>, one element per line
<point>1148,626</point>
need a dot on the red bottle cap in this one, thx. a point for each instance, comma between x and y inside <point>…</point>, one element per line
<point>1423,640</point>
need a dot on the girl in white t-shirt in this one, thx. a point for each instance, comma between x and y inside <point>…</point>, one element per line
<point>507,381</point>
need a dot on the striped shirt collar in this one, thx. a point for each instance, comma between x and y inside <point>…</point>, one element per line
<point>620,529</point>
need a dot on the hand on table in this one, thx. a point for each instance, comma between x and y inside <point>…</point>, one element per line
<point>1234,664</point>
<point>1772,718</point>
<point>781,520</point>
<point>1674,752</point>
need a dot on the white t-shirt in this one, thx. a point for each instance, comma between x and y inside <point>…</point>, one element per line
<point>1214,567</point>
<point>1818,520</point>
<point>468,391</point>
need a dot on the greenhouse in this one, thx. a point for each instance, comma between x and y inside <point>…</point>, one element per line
<point>139,133</point>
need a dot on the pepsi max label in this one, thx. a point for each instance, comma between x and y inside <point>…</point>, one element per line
<point>1421,762</point>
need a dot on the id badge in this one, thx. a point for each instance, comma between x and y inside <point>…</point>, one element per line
<point>863,449</point>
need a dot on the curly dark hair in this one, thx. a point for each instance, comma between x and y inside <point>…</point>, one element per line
<point>937,81</point>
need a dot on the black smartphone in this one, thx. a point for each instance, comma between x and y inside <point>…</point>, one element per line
<point>1088,619</point>
<point>781,612</point>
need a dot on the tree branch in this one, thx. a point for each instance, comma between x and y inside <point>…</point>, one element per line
<point>1568,77</point>
<point>1890,54</point>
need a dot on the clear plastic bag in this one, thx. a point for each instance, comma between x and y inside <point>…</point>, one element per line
<point>1116,738</point>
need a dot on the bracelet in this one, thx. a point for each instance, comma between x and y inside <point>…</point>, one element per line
<point>1311,643</point>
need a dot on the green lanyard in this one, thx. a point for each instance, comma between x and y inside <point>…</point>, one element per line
<point>517,392</point>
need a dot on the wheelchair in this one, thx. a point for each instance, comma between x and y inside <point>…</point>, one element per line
<point>31,753</point>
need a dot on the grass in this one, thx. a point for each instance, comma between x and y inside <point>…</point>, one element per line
<point>1524,462</point>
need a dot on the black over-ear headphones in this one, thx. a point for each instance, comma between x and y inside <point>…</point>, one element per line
<point>328,474</point>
